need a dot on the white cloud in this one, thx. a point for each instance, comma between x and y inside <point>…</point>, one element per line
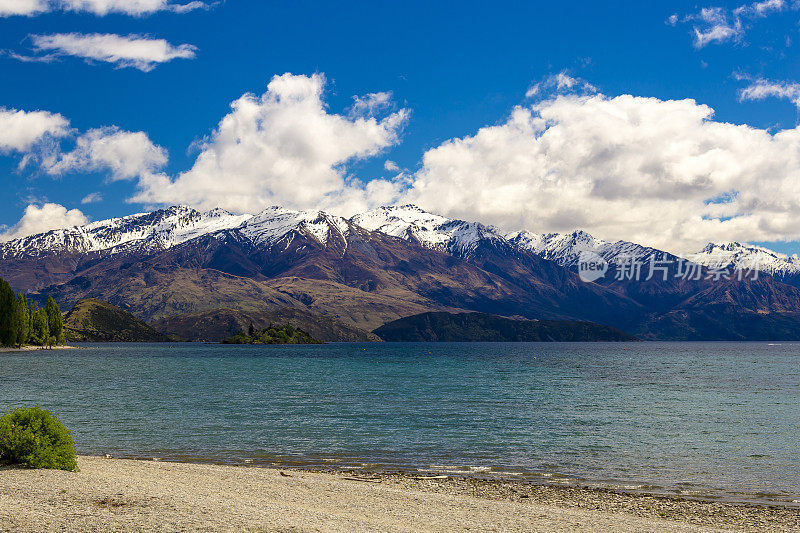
<point>760,9</point>
<point>135,8</point>
<point>283,147</point>
<point>716,26</point>
<point>719,25</point>
<point>560,83</point>
<point>370,104</point>
<point>662,173</point>
<point>92,198</point>
<point>42,219</point>
<point>125,154</point>
<point>390,166</point>
<point>134,51</point>
<point>22,7</point>
<point>128,7</point>
<point>20,130</point>
<point>761,89</point>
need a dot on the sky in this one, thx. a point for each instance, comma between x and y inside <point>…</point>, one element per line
<point>668,124</point>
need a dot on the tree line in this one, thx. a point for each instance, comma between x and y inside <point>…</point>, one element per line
<point>23,322</point>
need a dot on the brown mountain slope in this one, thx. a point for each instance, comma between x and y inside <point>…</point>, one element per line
<point>364,281</point>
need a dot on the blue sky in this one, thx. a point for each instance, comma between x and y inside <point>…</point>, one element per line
<point>454,68</point>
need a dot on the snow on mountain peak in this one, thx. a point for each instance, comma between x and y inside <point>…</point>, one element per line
<point>159,229</point>
<point>273,223</point>
<point>175,225</point>
<point>432,231</point>
<point>566,248</point>
<point>747,257</point>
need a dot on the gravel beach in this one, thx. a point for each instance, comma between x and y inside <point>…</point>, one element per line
<point>130,495</point>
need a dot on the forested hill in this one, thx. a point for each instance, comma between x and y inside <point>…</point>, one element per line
<point>458,327</point>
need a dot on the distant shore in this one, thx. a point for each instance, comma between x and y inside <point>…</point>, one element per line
<point>35,348</point>
<point>131,495</point>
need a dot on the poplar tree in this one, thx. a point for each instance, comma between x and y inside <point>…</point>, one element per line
<point>23,323</point>
<point>40,332</point>
<point>7,334</point>
<point>55,322</point>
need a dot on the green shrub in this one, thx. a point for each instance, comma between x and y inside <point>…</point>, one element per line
<point>34,437</point>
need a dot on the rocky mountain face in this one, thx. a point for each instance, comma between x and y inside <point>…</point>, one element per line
<point>377,267</point>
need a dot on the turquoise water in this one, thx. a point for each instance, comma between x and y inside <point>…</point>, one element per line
<point>717,420</point>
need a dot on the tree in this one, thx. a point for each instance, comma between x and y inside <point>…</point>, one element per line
<point>251,330</point>
<point>8,336</point>
<point>40,329</point>
<point>23,319</point>
<point>55,322</point>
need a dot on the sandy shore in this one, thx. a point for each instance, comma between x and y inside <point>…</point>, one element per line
<point>127,495</point>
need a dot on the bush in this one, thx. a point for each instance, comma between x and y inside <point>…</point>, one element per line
<point>34,437</point>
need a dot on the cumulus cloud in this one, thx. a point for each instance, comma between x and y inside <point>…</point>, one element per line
<point>20,130</point>
<point>391,166</point>
<point>135,51</point>
<point>284,147</point>
<point>40,219</point>
<point>761,89</point>
<point>136,8</point>
<point>662,173</point>
<point>125,154</point>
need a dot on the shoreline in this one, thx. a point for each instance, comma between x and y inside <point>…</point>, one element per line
<point>555,480</point>
<point>4,349</point>
<point>140,495</point>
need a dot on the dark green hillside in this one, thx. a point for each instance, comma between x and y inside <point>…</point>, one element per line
<point>287,334</point>
<point>480,327</point>
<point>93,320</point>
<point>220,324</point>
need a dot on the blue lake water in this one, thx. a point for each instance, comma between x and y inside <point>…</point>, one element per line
<point>717,420</point>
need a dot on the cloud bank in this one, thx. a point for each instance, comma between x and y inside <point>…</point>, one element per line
<point>658,172</point>
<point>661,173</point>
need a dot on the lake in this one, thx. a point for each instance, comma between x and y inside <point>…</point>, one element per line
<point>712,420</point>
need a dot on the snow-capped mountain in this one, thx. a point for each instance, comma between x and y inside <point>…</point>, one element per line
<point>370,269</point>
<point>566,248</point>
<point>166,228</point>
<point>747,257</point>
<point>160,229</point>
<point>275,223</point>
<point>409,222</point>
<point>461,238</point>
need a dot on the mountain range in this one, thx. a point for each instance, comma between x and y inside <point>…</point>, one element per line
<point>180,266</point>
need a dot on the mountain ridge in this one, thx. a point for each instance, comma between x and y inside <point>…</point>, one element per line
<point>376,267</point>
